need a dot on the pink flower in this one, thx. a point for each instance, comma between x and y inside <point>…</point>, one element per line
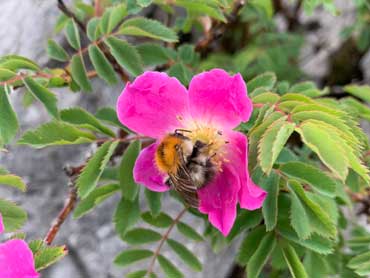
<point>156,104</point>
<point>16,258</point>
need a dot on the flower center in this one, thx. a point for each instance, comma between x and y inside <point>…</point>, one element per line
<point>213,138</point>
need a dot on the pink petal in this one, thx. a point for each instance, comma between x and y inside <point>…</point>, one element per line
<point>153,104</point>
<point>219,199</point>
<point>16,260</point>
<point>1,224</point>
<point>217,97</point>
<point>250,195</point>
<point>146,172</point>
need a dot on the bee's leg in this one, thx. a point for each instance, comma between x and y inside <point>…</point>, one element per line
<point>168,182</point>
<point>178,130</point>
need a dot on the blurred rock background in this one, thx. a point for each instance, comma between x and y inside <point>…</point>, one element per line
<point>92,242</point>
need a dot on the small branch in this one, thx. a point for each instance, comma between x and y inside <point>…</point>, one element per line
<point>70,14</point>
<point>98,8</point>
<point>163,240</point>
<point>62,216</point>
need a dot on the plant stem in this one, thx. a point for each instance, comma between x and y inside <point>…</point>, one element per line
<point>163,240</point>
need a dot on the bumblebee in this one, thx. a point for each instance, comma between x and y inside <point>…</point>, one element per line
<point>188,164</point>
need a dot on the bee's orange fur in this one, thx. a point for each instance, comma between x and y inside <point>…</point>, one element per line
<point>166,156</point>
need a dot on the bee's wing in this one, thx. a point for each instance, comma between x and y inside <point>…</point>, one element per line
<point>184,185</point>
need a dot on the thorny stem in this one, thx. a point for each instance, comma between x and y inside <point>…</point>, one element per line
<point>163,240</point>
<point>63,214</point>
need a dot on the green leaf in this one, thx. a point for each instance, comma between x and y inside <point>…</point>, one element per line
<point>362,92</point>
<point>102,65</point>
<point>184,253</point>
<point>154,201</point>
<point>319,219</point>
<point>268,97</point>
<point>45,256</point>
<point>79,74</point>
<point>188,231</point>
<point>92,29</point>
<point>315,242</point>
<point>315,265</point>
<point>128,257</point>
<point>126,178</point>
<point>96,197</point>
<point>126,55</point>
<point>312,175</point>
<point>8,119</point>
<point>126,215</point>
<point>161,221</point>
<point>81,117</point>
<point>72,34</point>
<point>168,268</point>
<point>245,220</point>
<point>153,54</point>
<point>181,72</point>
<point>112,17</point>
<point>109,115</point>
<point>16,62</point>
<point>137,274</point>
<point>272,142</point>
<point>359,260</point>
<point>14,216</point>
<point>141,236</point>
<point>6,74</point>
<point>89,177</point>
<point>295,265</point>
<point>270,205</point>
<point>249,245</point>
<point>261,255</point>
<point>266,80</point>
<point>140,26</point>
<point>201,8</point>
<point>13,181</point>
<point>299,218</point>
<point>47,98</point>
<point>56,52</point>
<point>320,141</point>
<point>55,133</point>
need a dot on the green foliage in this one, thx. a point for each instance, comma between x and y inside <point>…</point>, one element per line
<point>187,256</point>
<point>126,55</point>
<point>54,134</point>
<point>96,197</point>
<point>126,215</point>
<point>56,52</point>
<point>47,98</point>
<point>102,65</point>
<point>72,34</point>
<point>140,236</point>
<point>140,26</point>
<point>82,118</point>
<point>168,268</point>
<point>128,257</point>
<point>12,181</point>
<point>46,255</point>
<point>88,179</point>
<point>126,179</point>
<point>8,119</point>
<point>79,74</point>
<point>14,217</point>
